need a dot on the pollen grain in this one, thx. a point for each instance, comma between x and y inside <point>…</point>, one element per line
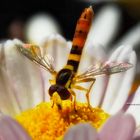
<point>46,123</point>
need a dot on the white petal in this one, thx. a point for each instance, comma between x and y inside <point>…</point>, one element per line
<point>132,37</point>
<point>8,102</point>
<point>58,48</point>
<point>96,55</point>
<point>98,91</point>
<point>115,80</point>
<point>91,56</point>
<point>81,132</point>
<point>119,52</point>
<point>46,84</point>
<point>24,75</point>
<point>134,107</point>
<point>105,26</point>
<point>125,86</point>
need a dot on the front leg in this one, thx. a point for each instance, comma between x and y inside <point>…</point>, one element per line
<point>52,81</point>
<point>56,100</point>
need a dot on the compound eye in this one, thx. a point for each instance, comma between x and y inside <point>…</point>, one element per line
<point>52,89</point>
<point>63,93</point>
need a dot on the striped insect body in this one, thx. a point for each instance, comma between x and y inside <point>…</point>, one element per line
<point>67,79</point>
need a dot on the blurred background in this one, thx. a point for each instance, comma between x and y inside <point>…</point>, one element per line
<point>14,15</point>
<point>34,20</point>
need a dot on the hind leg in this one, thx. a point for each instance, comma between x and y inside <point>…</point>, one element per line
<point>92,80</point>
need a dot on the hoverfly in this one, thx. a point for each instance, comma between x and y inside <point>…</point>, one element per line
<point>67,79</point>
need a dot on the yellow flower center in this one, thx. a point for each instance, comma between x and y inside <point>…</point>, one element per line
<point>46,123</point>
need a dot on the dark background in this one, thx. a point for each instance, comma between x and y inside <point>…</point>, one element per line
<point>65,11</point>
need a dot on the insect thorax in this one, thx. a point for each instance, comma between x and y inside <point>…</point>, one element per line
<point>64,77</point>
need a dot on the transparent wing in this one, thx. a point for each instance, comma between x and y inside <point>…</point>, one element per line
<point>33,53</point>
<point>107,68</point>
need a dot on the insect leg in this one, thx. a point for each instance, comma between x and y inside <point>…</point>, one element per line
<point>92,80</point>
<point>74,95</point>
<point>87,94</point>
<point>52,104</point>
<point>79,87</point>
<point>52,81</point>
<point>56,99</point>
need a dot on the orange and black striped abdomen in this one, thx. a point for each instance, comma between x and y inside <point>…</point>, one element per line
<point>80,36</point>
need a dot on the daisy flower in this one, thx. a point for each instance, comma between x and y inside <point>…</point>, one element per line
<point>23,85</point>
